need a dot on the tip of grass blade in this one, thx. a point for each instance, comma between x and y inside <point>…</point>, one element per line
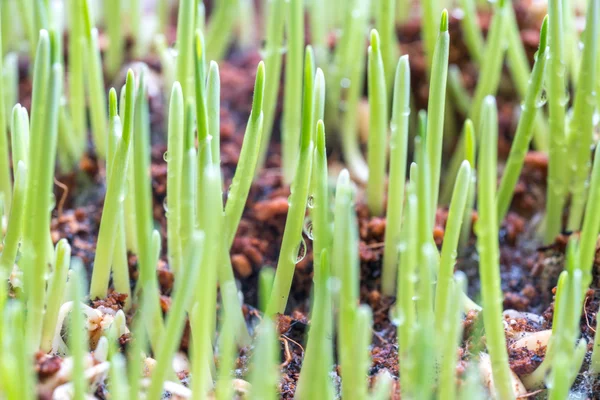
<point>320,137</point>
<point>374,40</point>
<point>112,103</point>
<point>444,21</point>
<point>544,34</point>
<point>213,68</point>
<point>343,178</point>
<point>259,89</point>
<point>470,143</point>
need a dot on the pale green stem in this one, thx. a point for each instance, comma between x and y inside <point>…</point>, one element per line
<point>397,180</point>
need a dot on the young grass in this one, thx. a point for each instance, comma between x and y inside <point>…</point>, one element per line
<point>186,286</point>
<point>435,107</point>
<point>581,124</point>
<point>397,179</point>
<point>346,271</point>
<point>15,221</point>
<point>272,58</point>
<point>203,318</point>
<point>148,241</point>
<point>114,23</point>
<point>55,292</point>
<point>445,282</point>
<point>404,314</point>
<point>557,185</point>
<point>95,82</point>
<point>185,47</point>
<point>472,31</point>
<point>470,156</point>
<point>77,48</point>
<point>175,172</point>
<point>487,245</point>
<point>524,133</point>
<point>5,181</point>
<point>378,128</point>
<point>292,109</point>
<point>293,246</point>
<point>220,29</point>
<point>115,192</point>
<point>347,74</point>
<point>47,88</point>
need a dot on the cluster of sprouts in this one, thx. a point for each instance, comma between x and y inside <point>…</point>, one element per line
<point>45,299</point>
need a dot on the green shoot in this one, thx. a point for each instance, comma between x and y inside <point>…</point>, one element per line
<point>435,107</point>
<point>203,320</point>
<point>471,30</point>
<point>227,347</point>
<point>591,225</point>
<point>15,220</point>
<point>346,271</point>
<point>581,124</point>
<point>272,59</point>
<point>293,243</point>
<point>115,51</point>
<point>246,168</point>
<point>77,50</point>
<point>77,340</point>
<point>378,127</point>
<point>264,373</point>
<point>47,88</point>
<point>185,46</point>
<point>347,74</point>
<point>213,110</point>
<point>148,242</point>
<point>220,29</point>
<point>293,246</point>
<point>398,152</point>
<point>470,147</point>
<point>445,282</point>
<point>176,316</point>
<point>524,132</point>
<point>5,181</point>
<point>55,294</point>
<point>175,176</point>
<point>404,313</point>
<point>386,27</point>
<point>452,332</point>
<point>95,84</point>
<point>518,64</point>
<point>557,184</point>
<point>491,64</point>
<point>114,193</point>
<point>314,378</point>
<point>292,108</point>
<point>487,245</point>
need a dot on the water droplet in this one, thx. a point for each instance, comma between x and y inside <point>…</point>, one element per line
<point>166,156</point>
<point>565,100</point>
<point>165,206</point>
<point>345,83</point>
<point>581,45</point>
<point>300,252</point>
<point>542,98</point>
<point>308,228</point>
<point>397,317</point>
<point>311,201</point>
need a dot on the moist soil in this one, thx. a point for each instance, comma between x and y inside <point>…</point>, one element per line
<point>529,272</point>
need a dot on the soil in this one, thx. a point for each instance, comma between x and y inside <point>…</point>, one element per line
<point>529,271</point>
